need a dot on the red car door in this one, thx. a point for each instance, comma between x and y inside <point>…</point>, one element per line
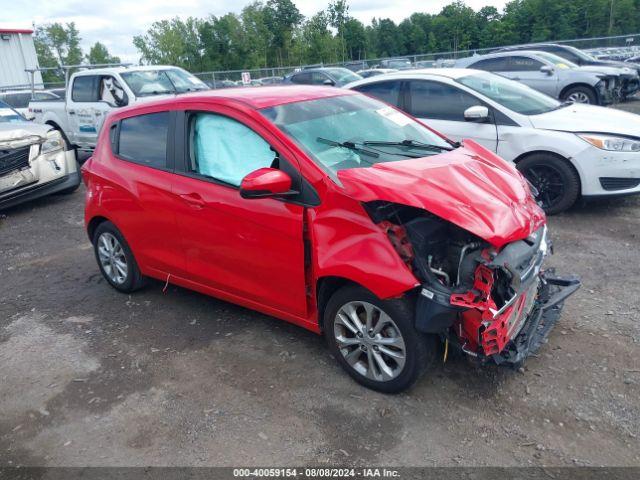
<point>248,249</point>
<point>137,190</point>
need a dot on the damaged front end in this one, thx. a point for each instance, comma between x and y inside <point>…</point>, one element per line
<point>494,303</point>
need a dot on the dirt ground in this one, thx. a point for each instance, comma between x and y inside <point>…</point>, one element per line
<point>89,376</point>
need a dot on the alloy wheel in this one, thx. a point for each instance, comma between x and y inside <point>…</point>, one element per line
<point>578,97</point>
<point>548,181</point>
<point>112,258</point>
<point>370,341</point>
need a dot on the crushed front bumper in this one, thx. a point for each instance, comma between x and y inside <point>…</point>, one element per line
<point>551,296</point>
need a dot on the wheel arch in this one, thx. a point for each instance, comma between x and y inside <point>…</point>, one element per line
<point>93,225</point>
<point>55,125</point>
<point>559,157</point>
<point>325,288</point>
<point>580,84</point>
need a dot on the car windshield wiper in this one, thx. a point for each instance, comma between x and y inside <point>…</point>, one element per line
<point>409,144</point>
<point>349,145</point>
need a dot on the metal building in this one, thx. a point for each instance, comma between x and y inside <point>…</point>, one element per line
<point>17,54</point>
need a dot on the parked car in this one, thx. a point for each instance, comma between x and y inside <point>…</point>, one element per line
<point>333,211</point>
<point>270,80</point>
<point>91,94</point>
<point>220,83</point>
<point>565,150</point>
<point>34,160</point>
<point>545,74</point>
<point>425,64</point>
<point>330,76</point>
<point>355,65</point>
<point>372,72</point>
<point>19,99</point>
<point>582,59</point>
<point>395,63</point>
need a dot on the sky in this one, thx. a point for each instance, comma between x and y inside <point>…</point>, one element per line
<point>115,22</point>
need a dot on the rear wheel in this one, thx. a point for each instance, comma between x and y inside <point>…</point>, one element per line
<point>115,259</point>
<point>580,94</point>
<point>557,182</point>
<point>375,341</point>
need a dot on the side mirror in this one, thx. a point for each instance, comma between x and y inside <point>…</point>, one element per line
<point>329,82</point>
<point>265,182</point>
<point>546,69</point>
<point>477,113</point>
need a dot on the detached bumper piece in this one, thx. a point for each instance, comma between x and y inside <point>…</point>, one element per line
<point>544,316</point>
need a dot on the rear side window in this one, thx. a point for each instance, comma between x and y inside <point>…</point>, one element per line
<point>500,64</point>
<point>438,101</point>
<point>19,100</point>
<point>304,78</point>
<point>85,89</point>
<point>143,139</point>
<point>524,64</point>
<point>386,91</point>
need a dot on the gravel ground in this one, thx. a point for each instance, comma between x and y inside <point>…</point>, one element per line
<point>89,376</point>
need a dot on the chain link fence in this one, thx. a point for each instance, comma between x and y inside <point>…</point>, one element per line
<point>616,47</point>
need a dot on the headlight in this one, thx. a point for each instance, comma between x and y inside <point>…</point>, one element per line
<point>53,143</point>
<point>608,142</point>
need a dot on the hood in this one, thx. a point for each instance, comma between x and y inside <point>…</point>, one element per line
<point>470,187</point>
<point>17,134</point>
<point>579,117</point>
<point>616,63</point>
<point>612,70</point>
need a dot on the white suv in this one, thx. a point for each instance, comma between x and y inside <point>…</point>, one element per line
<point>34,160</point>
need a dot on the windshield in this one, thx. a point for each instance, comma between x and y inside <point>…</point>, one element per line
<point>9,115</point>
<point>157,82</point>
<point>580,53</point>
<point>510,94</point>
<point>351,131</point>
<point>556,60</point>
<point>343,76</point>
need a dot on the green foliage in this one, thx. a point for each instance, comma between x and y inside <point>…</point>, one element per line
<point>57,44</point>
<point>98,54</point>
<point>269,33</point>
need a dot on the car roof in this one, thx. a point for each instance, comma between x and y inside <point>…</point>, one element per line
<point>255,97</point>
<point>532,46</point>
<point>452,73</point>
<point>123,69</point>
<point>507,53</point>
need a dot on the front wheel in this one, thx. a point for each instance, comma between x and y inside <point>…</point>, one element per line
<point>580,95</point>
<point>557,182</point>
<point>375,341</point>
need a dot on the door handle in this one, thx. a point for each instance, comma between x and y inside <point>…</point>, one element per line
<point>193,199</point>
<point>516,78</point>
<point>72,112</point>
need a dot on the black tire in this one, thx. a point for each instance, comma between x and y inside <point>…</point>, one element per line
<point>134,279</point>
<point>419,349</point>
<point>582,92</point>
<point>557,181</point>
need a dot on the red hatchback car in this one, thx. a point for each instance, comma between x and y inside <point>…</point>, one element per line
<point>333,211</point>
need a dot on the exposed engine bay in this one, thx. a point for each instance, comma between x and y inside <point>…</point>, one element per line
<point>477,296</point>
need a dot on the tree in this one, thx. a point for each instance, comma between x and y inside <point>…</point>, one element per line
<point>60,43</point>
<point>282,17</point>
<point>338,14</point>
<point>98,54</point>
<point>173,42</point>
<point>355,39</point>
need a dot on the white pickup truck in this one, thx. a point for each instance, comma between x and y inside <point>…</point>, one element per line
<point>92,94</point>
